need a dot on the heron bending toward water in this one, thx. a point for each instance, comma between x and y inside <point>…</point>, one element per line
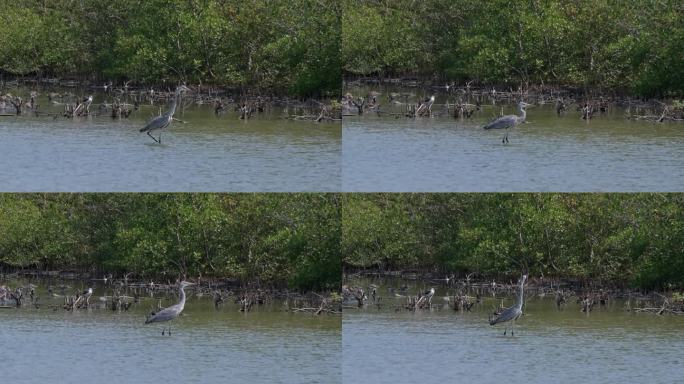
<point>514,312</point>
<point>163,121</point>
<point>171,312</point>
<point>509,121</point>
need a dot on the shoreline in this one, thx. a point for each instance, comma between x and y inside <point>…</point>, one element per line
<point>505,282</point>
<point>124,98</point>
<point>465,292</point>
<point>160,87</point>
<point>498,90</point>
<point>465,99</point>
<point>124,291</point>
<point>131,280</point>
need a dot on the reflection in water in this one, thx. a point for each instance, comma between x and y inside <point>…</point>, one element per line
<point>208,153</point>
<point>547,153</point>
<point>386,345</point>
<point>207,345</point>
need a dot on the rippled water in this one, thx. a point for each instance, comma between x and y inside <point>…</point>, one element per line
<point>267,345</point>
<point>208,153</point>
<point>608,345</point>
<point>548,153</point>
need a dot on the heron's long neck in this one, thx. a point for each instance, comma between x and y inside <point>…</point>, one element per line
<point>523,114</point>
<point>182,297</point>
<point>174,102</point>
<point>519,300</point>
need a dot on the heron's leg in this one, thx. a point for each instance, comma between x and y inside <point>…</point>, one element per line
<point>150,135</point>
<point>169,330</point>
<point>505,329</point>
<point>163,329</point>
<point>160,131</point>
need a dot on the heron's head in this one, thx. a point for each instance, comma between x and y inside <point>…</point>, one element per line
<point>184,284</point>
<point>523,279</point>
<point>523,105</point>
<point>182,88</point>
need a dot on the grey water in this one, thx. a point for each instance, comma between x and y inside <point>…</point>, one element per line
<point>385,343</point>
<point>206,153</point>
<point>206,345</point>
<point>389,152</point>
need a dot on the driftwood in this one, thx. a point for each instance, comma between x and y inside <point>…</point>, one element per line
<point>667,306</point>
<point>250,298</point>
<point>326,306</point>
<point>668,113</point>
<point>356,293</point>
<point>119,302</point>
<point>120,110</point>
<point>325,113</point>
<point>464,302</point>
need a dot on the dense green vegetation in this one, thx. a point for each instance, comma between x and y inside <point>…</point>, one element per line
<point>302,46</point>
<point>278,239</point>
<point>288,45</point>
<point>625,238</point>
<point>632,45</point>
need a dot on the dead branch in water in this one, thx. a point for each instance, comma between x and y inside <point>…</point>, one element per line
<point>326,305</point>
<point>356,293</point>
<point>676,308</point>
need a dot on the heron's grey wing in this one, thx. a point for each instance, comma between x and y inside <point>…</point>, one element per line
<point>502,122</point>
<point>156,123</point>
<point>165,314</point>
<point>507,315</point>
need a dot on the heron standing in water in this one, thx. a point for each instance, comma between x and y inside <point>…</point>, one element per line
<point>514,312</point>
<point>163,121</point>
<point>509,121</point>
<point>171,312</point>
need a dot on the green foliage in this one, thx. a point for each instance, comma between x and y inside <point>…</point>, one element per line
<point>636,238</point>
<point>282,45</point>
<point>279,239</point>
<point>621,45</point>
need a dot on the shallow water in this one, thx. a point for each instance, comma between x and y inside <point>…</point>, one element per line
<point>608,345</point>
<point>208,153</point>
<point>266,345</point>
<point>548,153</point>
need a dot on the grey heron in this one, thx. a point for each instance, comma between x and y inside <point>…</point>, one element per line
<point>84,297</point>
<point>426,106</point>
<point>427,296</point>
<point>509,121</point>
<point>87,293</point>
<point>171,312</point>
<point>163,121</point>
<point>514,312</point>
<point>85,103</point>
<point>429,293</point>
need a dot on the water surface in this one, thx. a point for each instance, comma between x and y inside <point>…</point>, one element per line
<point>608,345</point>
<point>548,153</point>
<point>208,153</point>
<point>266,345</point>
